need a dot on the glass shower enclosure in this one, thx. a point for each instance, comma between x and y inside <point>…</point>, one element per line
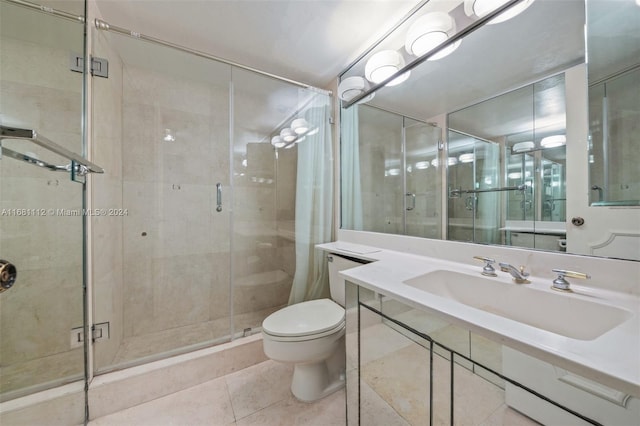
<point>204,248</point>
<point>391,173</point>
<point>41,202</point>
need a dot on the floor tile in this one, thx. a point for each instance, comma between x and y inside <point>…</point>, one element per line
<point>329,411</point>
<point>205,404</point>
<point>259,386</point>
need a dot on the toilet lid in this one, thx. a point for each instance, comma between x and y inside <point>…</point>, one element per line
<point>303,319</point>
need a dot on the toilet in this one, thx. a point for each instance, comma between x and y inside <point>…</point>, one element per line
<point>310,335</point>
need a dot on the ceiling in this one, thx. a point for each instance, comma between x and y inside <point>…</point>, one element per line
<point>310,41</point>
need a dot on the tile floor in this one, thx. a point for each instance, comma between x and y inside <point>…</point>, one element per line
<point>258,395</point>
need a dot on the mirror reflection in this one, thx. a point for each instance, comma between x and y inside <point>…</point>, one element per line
<point>506,176</point>
<point>519,156</point>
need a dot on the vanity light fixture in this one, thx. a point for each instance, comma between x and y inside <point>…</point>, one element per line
<point>316,129</point>
<point>452,161</point>
<point>523,146</point>
<point>383,65</point>
<point>299,126</point>
<point>421,165</point>
<point>481,8</point>
<point>553,141</point>
<point>351,87</point>
<point>467,158</point>
<point>435,162</point>
<point>287,135</point>
<point>277,142</point>
<point>429,31</point>
<point>300,139</point>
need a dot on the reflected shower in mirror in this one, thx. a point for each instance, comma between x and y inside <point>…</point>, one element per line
<point>506,175</point>
<point>614,102</point>
<point>390,174</point>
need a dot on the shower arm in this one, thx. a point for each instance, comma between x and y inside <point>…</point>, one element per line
<point>81,165</point>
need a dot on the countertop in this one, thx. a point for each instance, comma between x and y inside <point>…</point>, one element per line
<point>612,359</point>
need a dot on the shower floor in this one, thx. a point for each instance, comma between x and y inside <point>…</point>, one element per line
<point>27,376</point>
<point>166,341</point>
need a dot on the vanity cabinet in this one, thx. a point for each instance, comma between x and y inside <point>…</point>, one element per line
<point>406,366</point>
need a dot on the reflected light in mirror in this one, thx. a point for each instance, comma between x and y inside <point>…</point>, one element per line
<point>481,8</point>
<point>351,87</point>
<point>299,126</point>
<point>277,142</point>
<point>523,146</point>
<point>421,165</point>
<point>467,158</point>
<point>383,65</point>
<point>452,161</point>
<point>428,31</point>
<point>168,136</point>
<point>553,141</point>
<point>287,135</point>
<point>394,172</point>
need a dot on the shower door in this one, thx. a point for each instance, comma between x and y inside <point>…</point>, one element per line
<point>474,189</point>
<point>41,206</point>
<point>204,247</point>
<point>422,180</point>
<point>399,174</point>
<point>161,267</point>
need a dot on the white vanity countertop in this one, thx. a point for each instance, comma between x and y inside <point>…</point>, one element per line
<point>612,359</point>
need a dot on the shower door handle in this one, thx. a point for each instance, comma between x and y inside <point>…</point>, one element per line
<point>413,200</point>
<point>219,197</point>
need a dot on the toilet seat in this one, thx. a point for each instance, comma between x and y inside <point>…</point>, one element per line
<point>305,321</point>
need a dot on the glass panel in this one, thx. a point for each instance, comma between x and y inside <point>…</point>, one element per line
<point>264,201</point>
<point>162,132</point>
<point>41,210</point>
<point>381,170</point>
<point>614,112</point>
<point>423,181</point>
<point>507,168</point>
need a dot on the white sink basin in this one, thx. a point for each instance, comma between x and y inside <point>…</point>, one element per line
<point>562,314</point>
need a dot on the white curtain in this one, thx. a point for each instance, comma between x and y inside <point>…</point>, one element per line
<point>488,220</point>
<point>314,205</point>
<point>350,186</point>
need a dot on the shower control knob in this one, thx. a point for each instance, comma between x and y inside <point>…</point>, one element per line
<point>577,221</point>
<point>8,274</point>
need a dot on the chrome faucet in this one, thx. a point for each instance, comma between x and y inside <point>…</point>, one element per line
<point>518,274</point>
<point>488,270</point>
<point>561,284</point>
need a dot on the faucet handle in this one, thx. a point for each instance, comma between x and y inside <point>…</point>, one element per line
<point>487,270</point>
<point>561,284</point>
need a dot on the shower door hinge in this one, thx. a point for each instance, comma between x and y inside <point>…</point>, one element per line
<point>99,66</point>
<point>98,331</point>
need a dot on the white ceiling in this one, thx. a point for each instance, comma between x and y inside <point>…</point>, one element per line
<point>310,41</point>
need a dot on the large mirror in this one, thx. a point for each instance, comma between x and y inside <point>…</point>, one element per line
<point>528,144</point>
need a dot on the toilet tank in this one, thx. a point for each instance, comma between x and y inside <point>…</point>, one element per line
<point>338,263</point>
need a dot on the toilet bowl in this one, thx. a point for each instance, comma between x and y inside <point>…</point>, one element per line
<point>310,335</point>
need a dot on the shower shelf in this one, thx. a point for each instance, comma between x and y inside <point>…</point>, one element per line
<point>78,164</point>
